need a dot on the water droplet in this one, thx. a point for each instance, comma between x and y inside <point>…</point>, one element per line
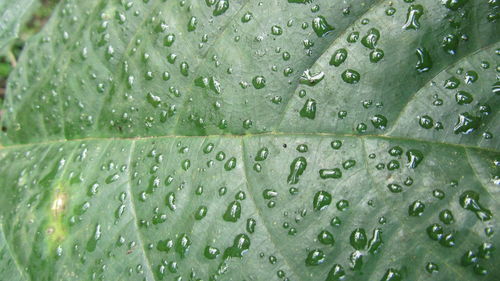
<point>435,232</point>
<point>469,200</point>
<point>186,164</point>
<point>356,259</point>
<point>338,57</point>
<point>450,43</point>
<point>336,273</point>
<point>211,252</point>
<point>201,212</point>
<point>246,17</point>
<point>470,77</point>
<point>233,212</point>
<point>446,216</point>
<point>276,30</point>
<point>311,79</point>
<point>349,164</point>
<point>259,82</point>
<point>414,158</point>
<point>335,221</point>
<point>431,267</point>
<point>342,205</point>
<point>353,37</point>
<point>485,250</point>
<point>92,243</point>
<point>391,275</point>
<point>371,38</point>
<point>241,244</point>
<point>170,199</point>
<point>376,241</point>
<point>309,109</point>
<point>315,257</point>
<point>182,244</point>
<point>325,237</point>
<point>376,55</point>
<point>395,188</point>
<point>426,122</point>
<point>416,209</point>
<point>395,151</point>
<point>321,26</point>
<point>463,97</point>
<point>334,173</point>
<point>448,240</point>
<point>208,148</point>
<point>297,167</point>
<point>221,7</point>
<point>169,40</point>
<point>358,239</point>
<point>350,76</point>
<point>184,68</point>
<point>302,148</point>
<point>251,223</point>
<point>230,164</point>
<point>262,154</point>
<point>321,200</point>
<point>466,123</point>
<point>413,16</point>
<point>424,62</point>
<point>451,83</point>
<point>336,144</point>
<point>379,121</point>
<point>454,4</point>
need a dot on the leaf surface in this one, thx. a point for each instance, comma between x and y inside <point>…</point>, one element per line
<point>247,140</point>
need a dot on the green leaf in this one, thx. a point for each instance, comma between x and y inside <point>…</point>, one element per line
<point>13,13</point>
<point>247,140</point>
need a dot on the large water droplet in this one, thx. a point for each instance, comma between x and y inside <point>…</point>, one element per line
<point>233,212</point>
<point>322,199</point>
<point>413,16</point>
<point>350,76</point>
<point>321,26</point>
<point>371,38</point>
<point>358,239</point>
<point>221,7</point>
<point>414,158</point>
<point>338,57</point>
<point>469,200</point>
<point>315,257</point>
<point>297,167</point>
<point>466,123</point>
<point>424,62</point>
<point>309,109</point>
<point>241,244</point>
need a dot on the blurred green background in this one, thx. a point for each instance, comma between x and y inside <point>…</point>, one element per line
<point>8,59</point>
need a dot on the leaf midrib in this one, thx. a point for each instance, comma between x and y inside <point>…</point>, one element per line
<point>276,134</point>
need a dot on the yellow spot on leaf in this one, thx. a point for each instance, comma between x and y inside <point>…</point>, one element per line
<point>56,229</point>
